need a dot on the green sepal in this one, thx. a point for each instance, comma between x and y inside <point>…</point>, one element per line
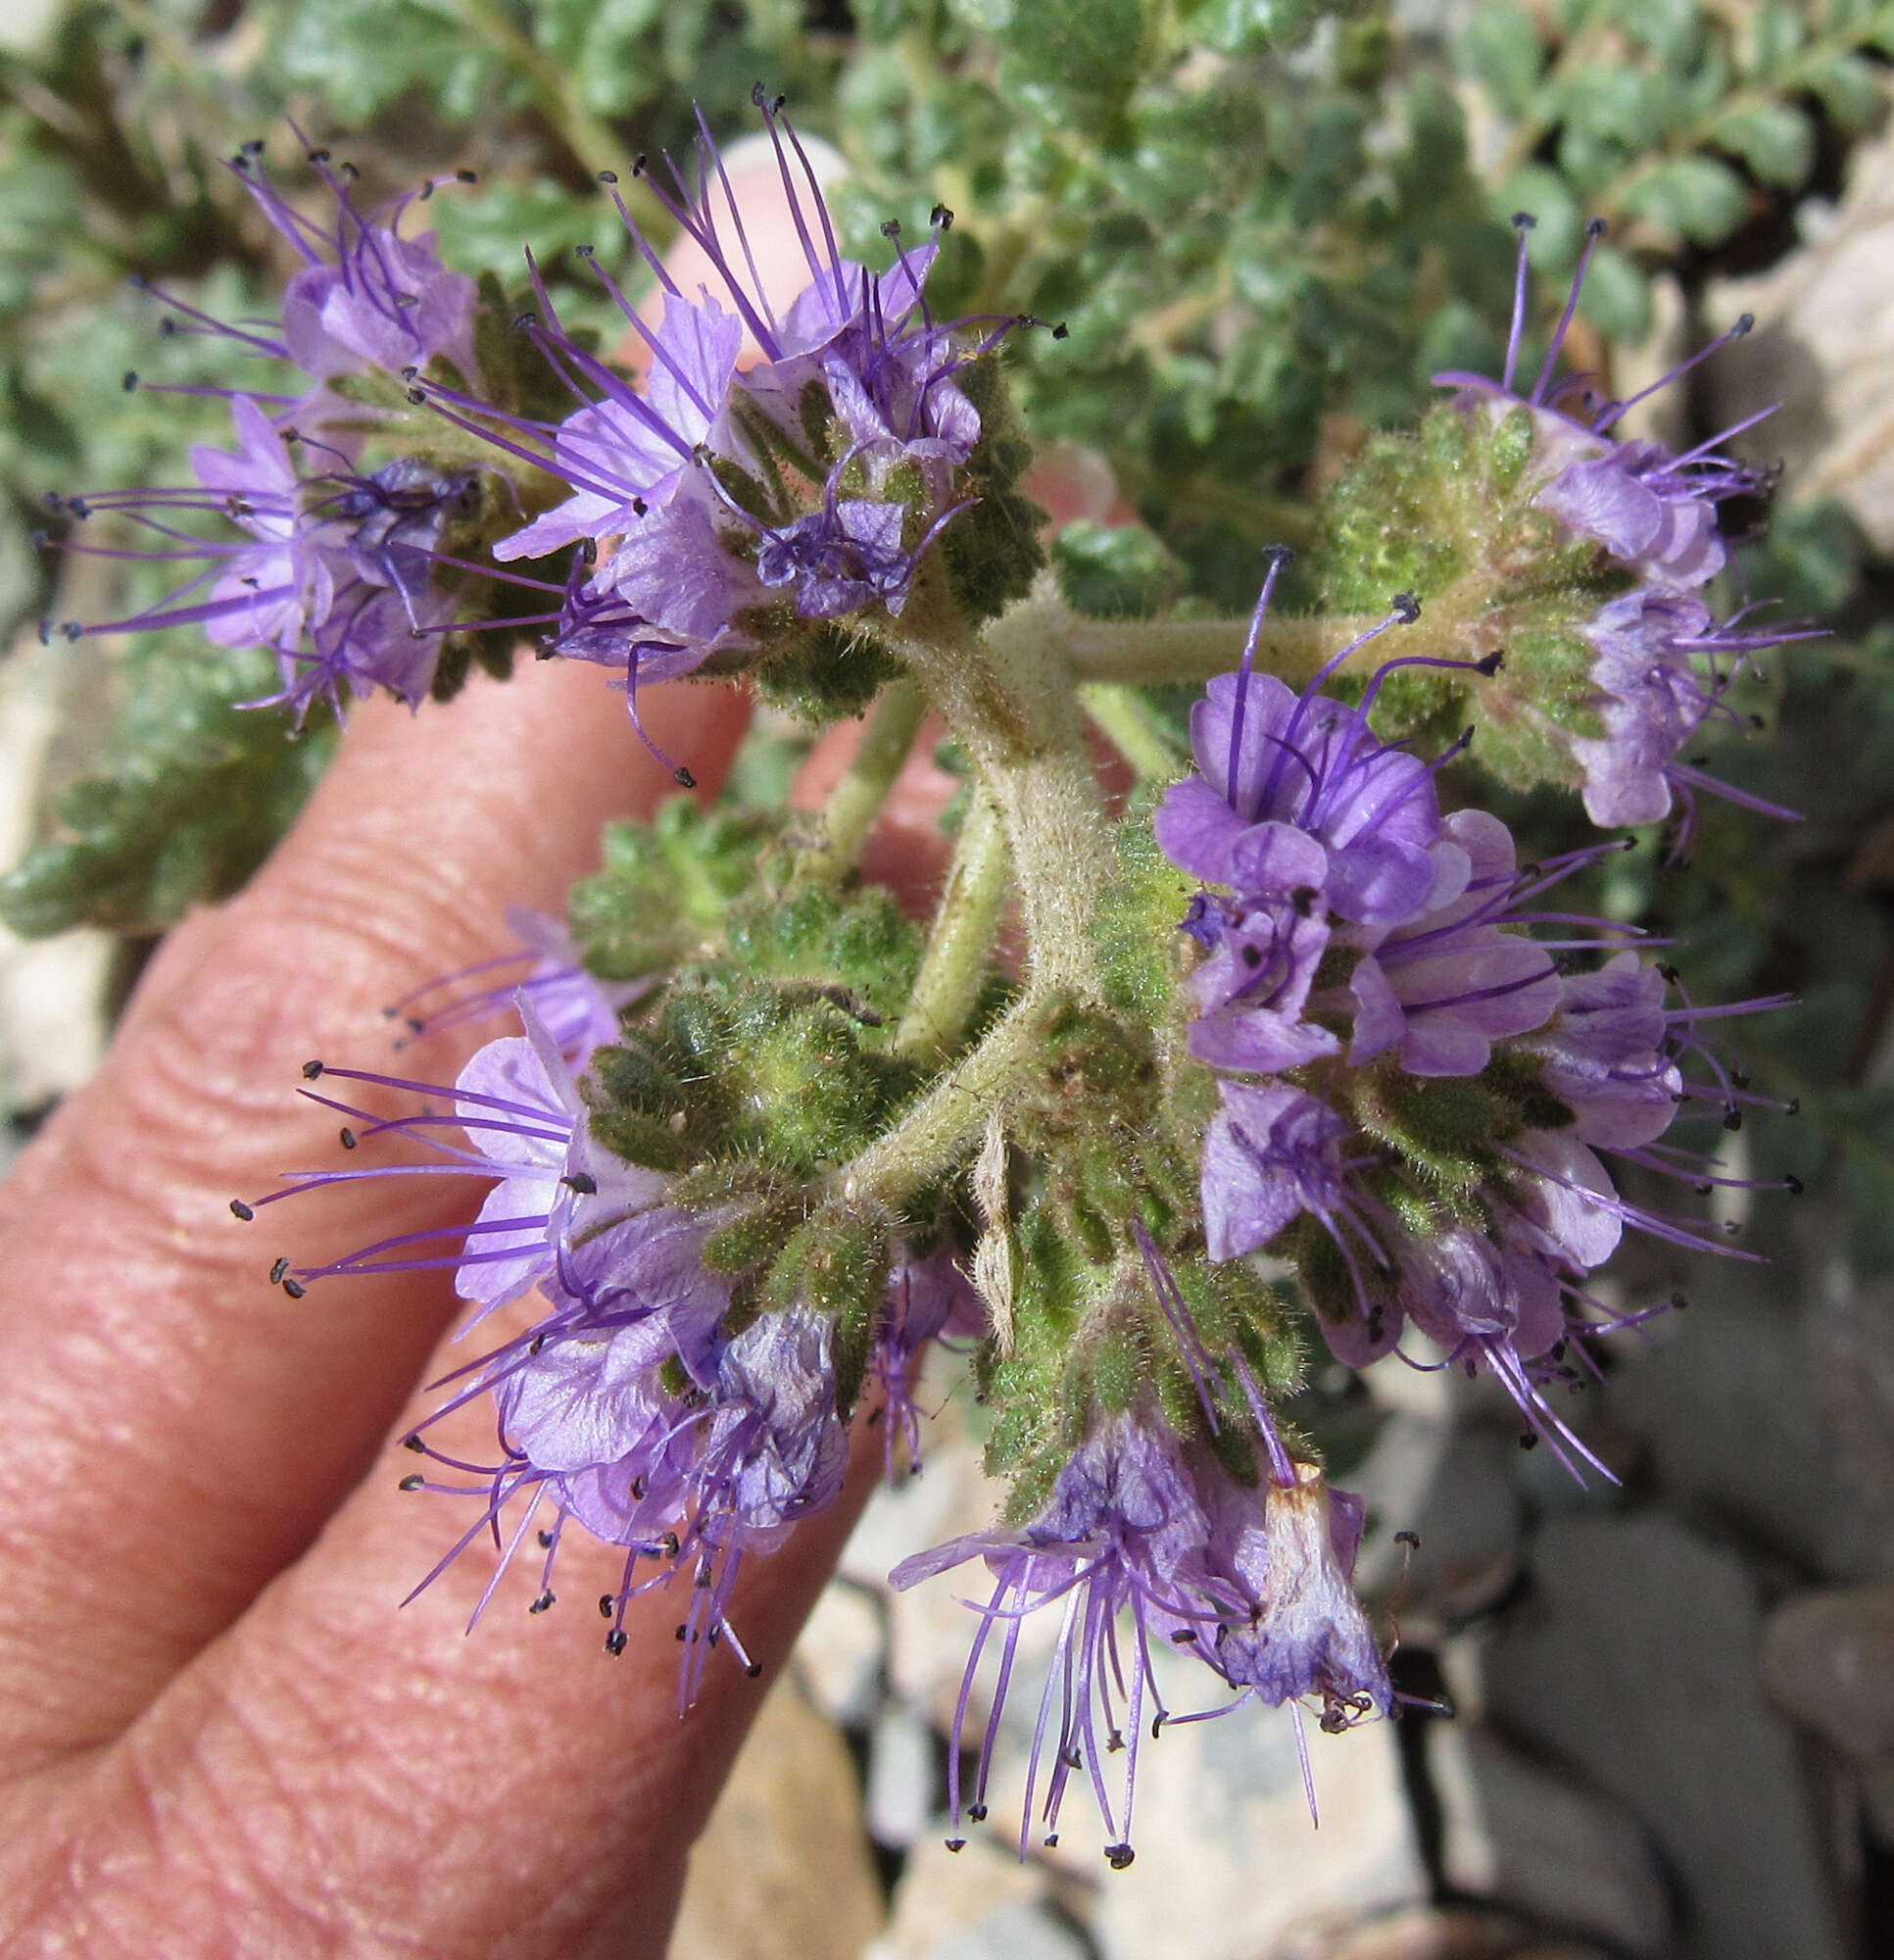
<point>839,1262</point>
<point>993,551</point>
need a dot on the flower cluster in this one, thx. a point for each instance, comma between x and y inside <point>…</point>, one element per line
<point>1661,661</point>
<point>637,1403</point>
<point>1403,1066</point>
<point>704,510</point>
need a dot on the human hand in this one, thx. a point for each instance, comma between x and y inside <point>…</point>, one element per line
<point>216,1733</point>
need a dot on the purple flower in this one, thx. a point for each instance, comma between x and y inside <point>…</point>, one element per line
<point>577,1010</point>
<point>627,454</point>
<point>1605,1055</point>
<point>1269,758</point>
<point>367,297</point>
<point>1443,988</point>
<point>1123,1517</point>
<point>1289,1543</point>
<point>926,1297</point>
<point>1652,512</point>
<point>1271,1154</point>
<point>338,575</point>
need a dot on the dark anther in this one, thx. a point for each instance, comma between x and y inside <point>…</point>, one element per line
<point>584,252</point>
<point>277,1271</point>
<point>240,1210</point>
<point>754,1669</point>
<point>130,382</point>
<point>1071,1758</point>
<point>776,107</point>
<point>319,156</point>
<point>1737,1079</point>
<point>683,778</point>
<point>253,148</point>
<point>1793,1106</point>
<point>1793,1184</point>
<point>311,1070</point>
<point>976,1813</point>
<point>683,1632</point>
<point>638,163</point>
<point>1524,220</point>
<point>1596,228</point>
<point>759,97</point>
<point>168,327</point>
<point>1743,324</point>
<point>349,1139</point>
<point>1253,955</point>
<point>1303,899</point>
<point>1757,722</point>
<point>45,632</point>
<point>239,162</point>
<point>891,228</point>
<point>295,1289</point>
<point>1407,605</point>
<point>414,1443</point>
<point>1529,1440</point>
<point>466,177</point>
<point>616,1641</point>
<point>1061,332</point>
<point>956,1843</point>
<point>942,217</point>
<point>1490,664</point>
<point>639,506</point>
<point>416,397</point>
<point>425,192</point>
<point>1412,1539</point>
<point>607,1605</point>
<point>73,631</point>
<point>411,373</point>
<point>540,1604</point>
<point>413,1482</point>
<point>350,171</point>
<point>1185,1637</point>
<point>1678,1303</point>
<point>608,177</point>
<point>1733,1118</point>
<point>536,1344</point>
<point>583,1182</point>
<point>1670,973</point>
<point>523,320</point>
<point>1557,1350</point>
<point>1118,1856</point>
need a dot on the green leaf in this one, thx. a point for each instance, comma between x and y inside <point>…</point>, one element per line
<point>1849,88</point>
<point>1115,572</point>
<point>1617,297</point>
<point>1776,141</point>
<point>1076,58</point>
<point>1693,197</point>
<point>1502,50</point>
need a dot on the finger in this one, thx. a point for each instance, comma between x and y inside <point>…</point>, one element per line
<point>514,1790</point>
<point>177,1430</point>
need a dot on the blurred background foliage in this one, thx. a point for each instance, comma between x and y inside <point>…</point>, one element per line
<point>1264,224</point>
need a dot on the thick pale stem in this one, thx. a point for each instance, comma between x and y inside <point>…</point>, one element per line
<point>856,799</point>
<point>954,966</point>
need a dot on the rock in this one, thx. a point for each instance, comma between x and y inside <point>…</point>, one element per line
<point>1018,1932</point>
<point>1829,1662</point>
<point>1467,1515</point>
<point>789,1824</point>
<point>1541,1844</point>
<point>1637,1661</point>
<point>901,1777</point>
<point>942,1894</point>
<point>1432,1934</point>
<point>1822,345</point>
<point>1848,1331</point>
<point>1722,1400</point>
<point>842,1656</point>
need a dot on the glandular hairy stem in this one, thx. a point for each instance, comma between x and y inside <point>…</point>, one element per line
<point>954,966</point>
<point>857,797</point>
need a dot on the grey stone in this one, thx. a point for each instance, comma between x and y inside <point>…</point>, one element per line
<point>1724,1402</point>
<point>1823,341</point>
<point>901,1777</point>
<point>1635,1661</point>
<point>1828,1661</point>
<point>841,1654</point>
<point>1538,1841</point>
<point>1022,1930</point>
<point>790,1811</point>
<point>1848,1333</point>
